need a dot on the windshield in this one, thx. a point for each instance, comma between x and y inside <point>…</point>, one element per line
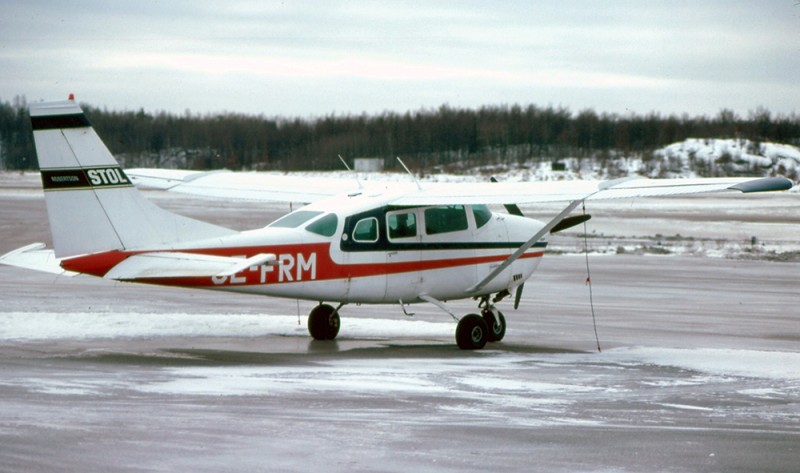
<point>326,226</point>
<point>295,219</point>
<point>482,215</point>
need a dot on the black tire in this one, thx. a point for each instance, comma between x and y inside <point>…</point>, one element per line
<point>323,322</point>
<point>472,332</point>
<point>497,325</point>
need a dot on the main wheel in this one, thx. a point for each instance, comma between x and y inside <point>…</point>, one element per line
<point>472,332</point>
<point>496,323</point>
<point>323,322</point>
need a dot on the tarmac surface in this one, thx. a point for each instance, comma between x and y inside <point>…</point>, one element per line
<point>699,369</point>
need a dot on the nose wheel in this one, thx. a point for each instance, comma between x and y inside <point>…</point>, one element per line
<point>496,323</point>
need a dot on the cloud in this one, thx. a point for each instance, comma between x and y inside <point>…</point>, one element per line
<point>696,57</point>
<point>370,68</point>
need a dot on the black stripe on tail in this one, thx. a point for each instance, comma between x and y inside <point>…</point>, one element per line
<point>56,122</point>
<point>84,178</point>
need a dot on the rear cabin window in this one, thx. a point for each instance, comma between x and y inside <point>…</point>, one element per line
<point>295,219</point>
<point>326,226</point>
<point>482,215</point>
<point>366,230</point>
<point>402,225</point>
<point>450,218</point>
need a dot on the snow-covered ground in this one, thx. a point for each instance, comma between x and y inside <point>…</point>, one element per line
<point>699,368</point>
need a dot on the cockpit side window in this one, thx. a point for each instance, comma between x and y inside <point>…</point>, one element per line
<point>366,230</point>
<point>295,219</point>
<point>482,215</point>
<point>402,225</point>
<point>449,218</point>
<point>325,226</point>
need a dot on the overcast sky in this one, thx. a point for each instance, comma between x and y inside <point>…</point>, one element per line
<point>303,58</point>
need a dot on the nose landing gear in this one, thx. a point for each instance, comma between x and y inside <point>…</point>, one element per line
<point>496,323</point>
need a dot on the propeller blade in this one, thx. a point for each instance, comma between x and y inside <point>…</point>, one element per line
<point>518,296</point>
<point>512,209</point>
<point>570,222</point>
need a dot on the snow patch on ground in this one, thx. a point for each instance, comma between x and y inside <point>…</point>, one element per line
<point>33,326</point>
<point>719,362</point>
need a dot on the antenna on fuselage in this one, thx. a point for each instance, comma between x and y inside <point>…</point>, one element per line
<point>355,174</point>
<point>409,172</point>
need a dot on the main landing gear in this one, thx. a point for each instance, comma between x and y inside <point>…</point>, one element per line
<point>473,330</point>
<point>323,322</point>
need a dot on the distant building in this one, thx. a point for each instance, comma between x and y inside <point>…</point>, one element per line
<point>368,164</point>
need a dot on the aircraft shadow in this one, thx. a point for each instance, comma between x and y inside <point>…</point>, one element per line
<point>315,352</point>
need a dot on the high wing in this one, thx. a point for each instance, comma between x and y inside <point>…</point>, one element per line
<point>258,186</point>
<point>563,191</point>
<point>291,188</point>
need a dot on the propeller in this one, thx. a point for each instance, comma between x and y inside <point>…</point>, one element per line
<point>567,222</point>
<point>512,209</point>
<point>570,222</point>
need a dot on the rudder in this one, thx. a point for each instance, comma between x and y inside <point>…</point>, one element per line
<point>91,204</point>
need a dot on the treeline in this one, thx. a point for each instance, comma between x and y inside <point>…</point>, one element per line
<point>445,136</point>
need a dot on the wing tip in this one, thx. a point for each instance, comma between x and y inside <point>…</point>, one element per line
<point>766,184</point>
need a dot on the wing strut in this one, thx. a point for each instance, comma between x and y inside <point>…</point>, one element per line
<point>419,187</point>
<point>438,304</point>
<point>522,249</point>
<point>355,174</point>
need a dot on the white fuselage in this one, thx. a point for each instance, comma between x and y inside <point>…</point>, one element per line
<point>352,250</point>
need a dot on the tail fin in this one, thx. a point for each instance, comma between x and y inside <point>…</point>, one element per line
<point>91,203</point>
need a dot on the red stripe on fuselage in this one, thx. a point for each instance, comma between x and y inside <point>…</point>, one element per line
<point>304,262</point>
<point>96,264</point>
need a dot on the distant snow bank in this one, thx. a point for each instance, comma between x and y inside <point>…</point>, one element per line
<point>712,157</point>
<point>694,157</point>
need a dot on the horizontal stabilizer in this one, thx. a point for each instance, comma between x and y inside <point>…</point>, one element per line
<point>35,257</point>
<point>182,265</point>
<point>268,259</point>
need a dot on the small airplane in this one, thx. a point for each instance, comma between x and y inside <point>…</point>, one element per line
<point>363,243</point>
